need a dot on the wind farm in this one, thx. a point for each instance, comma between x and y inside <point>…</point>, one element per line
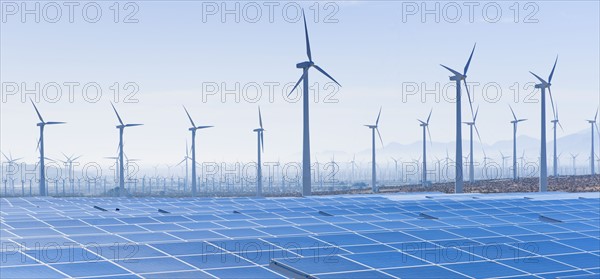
<point>195,192</point>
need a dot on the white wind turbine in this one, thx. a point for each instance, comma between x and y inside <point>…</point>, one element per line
<point>193,129</point>
<point>593,123</point>
<point>42,124</point>
<point>458,77</point>
<point>515,122</point>
<point>471,164</point>
<point>373,161</point>
<point>121,128</point>
<point>305,66</point>
<point>261,148</point>
<point>425,126</point>
<point>543,184</point>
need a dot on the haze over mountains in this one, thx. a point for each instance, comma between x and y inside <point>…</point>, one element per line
<point>577,143</point>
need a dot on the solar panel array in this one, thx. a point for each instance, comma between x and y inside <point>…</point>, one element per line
<point>361,236</point>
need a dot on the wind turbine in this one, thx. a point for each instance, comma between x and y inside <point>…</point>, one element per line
<point>543,161</point>
<point>193,129</point>
<point>425,126</point>
<point>11,164</point>
<point>261,148</point>
<point>574,157</point>
<point>395,169</point>
<point>185,159</point>
<point>121,128</point>
<point>305,66</point>
<point>471,165</point>
<point>40,146</point>
<point>373,162</point>
<point>592,154</point>
<point>555,121</point>
<point>353,164</point>
<point>458,77</point>
<point>68,162</point>
<point>515,122</point>
<point>503,160</point>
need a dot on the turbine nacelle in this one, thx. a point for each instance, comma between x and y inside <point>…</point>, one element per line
<point>305,64</point>
<point>458,77</point>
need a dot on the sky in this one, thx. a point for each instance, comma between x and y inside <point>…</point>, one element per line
<point>153,57</point>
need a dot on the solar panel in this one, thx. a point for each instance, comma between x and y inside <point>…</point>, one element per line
<point>325,237</point>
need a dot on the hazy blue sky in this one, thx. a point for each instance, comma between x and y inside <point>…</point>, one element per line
<point>176,49</point>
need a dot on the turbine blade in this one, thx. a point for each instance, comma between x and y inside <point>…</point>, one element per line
<point>306,35</point>
<point>560,125</point>
<point>475,118</point>
<point>38,144</point>
<point>119,117</point>
<point>552,72</point>
<point>37,111</point>
<point>188,115</point>
<point>260,118</point>
<point>297,83</point>
<point>538,77</point>
<point>428,117</point>
<point>451,70</point>
<point>552,102</point>
<point>181,161</point>
<point>513,113</point>
<point>469,61</point>
<point>54,122</point>
<point>429,134</point>
<point>378,115</point>
<point>5,157</point>
<point>326,74</point>
<point>477,132</point>
<point>204,127</point>
<point>262,141</point>
<point>133,125</point>
<point>468,96</point>
<point>379,134</point>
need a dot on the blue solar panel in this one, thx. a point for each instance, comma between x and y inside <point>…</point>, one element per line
<point>367,236</point>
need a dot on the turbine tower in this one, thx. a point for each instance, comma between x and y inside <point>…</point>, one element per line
<point>471,165</point>
<point>543,161</point>
<point>373,162</point>
<point>121,128</point>
<point>458,77</point>
<point>40,146</point>
<point>593,124</point>
<point>515,122</point>
<point>305,66</point>
<point>555,121</point>
<point>261,148</point>
<point>193,129</point>
<point>425,126</point>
